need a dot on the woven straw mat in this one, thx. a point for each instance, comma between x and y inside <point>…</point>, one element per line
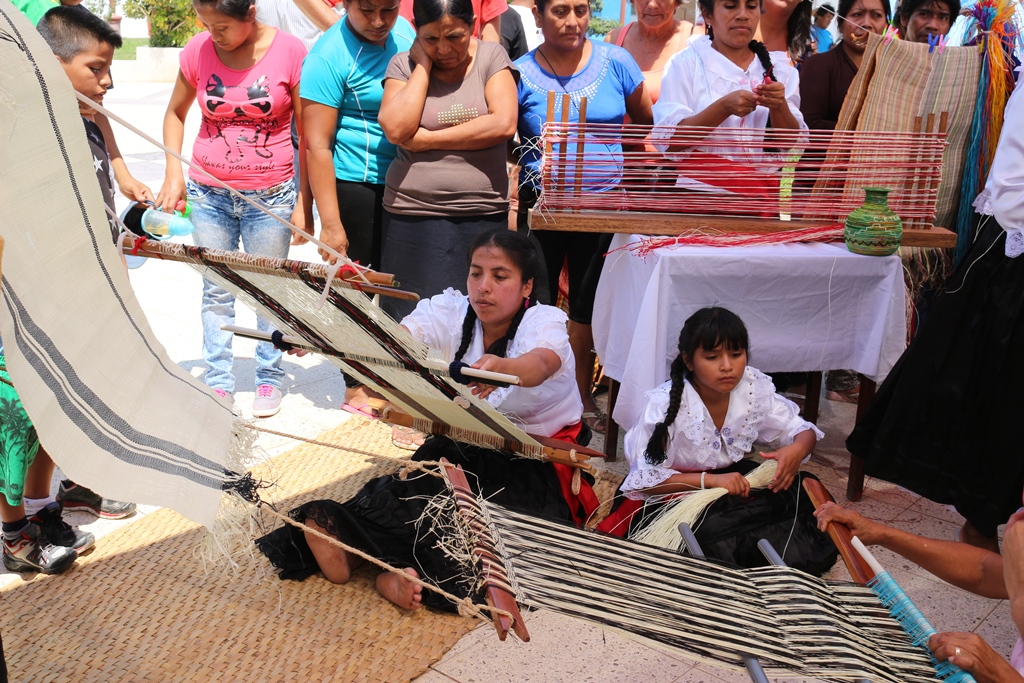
<point>141,607</point>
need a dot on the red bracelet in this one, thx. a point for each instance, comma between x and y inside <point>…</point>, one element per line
<point>331,3</point>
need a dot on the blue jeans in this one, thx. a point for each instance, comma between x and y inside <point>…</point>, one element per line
<point>222,221</point>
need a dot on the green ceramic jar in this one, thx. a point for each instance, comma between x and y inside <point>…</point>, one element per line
<point>873,228</point>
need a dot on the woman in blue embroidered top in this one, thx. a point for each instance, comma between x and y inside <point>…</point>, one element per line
<point>567,62</point>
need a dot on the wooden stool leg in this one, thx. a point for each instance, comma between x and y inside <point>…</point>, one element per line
<point>812,400</point>
<point>611,429</point>
<point>855,482</point>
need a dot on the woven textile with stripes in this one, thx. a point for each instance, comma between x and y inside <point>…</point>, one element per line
<point>112,409</point>
<point>787,619</point>
<point>899,81</point>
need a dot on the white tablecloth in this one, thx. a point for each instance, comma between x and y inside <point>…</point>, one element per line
<point>807,307</point>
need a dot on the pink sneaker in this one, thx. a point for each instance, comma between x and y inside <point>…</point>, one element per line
<point>221,393</point>
<point>267,402</point>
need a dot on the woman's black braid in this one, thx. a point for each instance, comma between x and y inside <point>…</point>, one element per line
<point>658,443</point>
<point>758,48</point>
<point>467,333</point>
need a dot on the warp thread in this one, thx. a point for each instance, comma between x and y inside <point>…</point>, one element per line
<point>407,465</point>
<point>712,237</point>
<point>662,530</point>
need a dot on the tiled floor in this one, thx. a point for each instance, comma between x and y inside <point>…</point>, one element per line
<point>561,649</point>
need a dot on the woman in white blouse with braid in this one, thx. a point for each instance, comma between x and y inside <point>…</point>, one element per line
<point>727,79</point>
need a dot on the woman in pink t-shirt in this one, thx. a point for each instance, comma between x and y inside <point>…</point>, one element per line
<point>246,76</point>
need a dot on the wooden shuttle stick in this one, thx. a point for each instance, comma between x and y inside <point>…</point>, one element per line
<point>484,376</point>
<point>859,569</point>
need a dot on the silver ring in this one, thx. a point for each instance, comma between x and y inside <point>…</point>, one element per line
<point>956,651</point>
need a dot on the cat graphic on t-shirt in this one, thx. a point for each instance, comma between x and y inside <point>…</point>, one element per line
<point>249,107</point>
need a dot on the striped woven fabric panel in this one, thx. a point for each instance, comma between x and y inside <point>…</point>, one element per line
<point>787,619</point>
<point>953,87</point>
<point>899,81</point>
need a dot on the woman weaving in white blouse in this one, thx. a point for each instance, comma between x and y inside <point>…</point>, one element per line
<point>500,327</point>
<point>727,80</point>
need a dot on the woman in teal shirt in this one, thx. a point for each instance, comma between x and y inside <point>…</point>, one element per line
<point>347,153</point>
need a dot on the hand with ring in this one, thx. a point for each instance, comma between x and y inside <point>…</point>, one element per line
<point>971,653</point>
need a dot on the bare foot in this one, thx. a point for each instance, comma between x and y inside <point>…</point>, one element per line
<point>971,536</point>
<point>336,564</point>
<point>398,591</point>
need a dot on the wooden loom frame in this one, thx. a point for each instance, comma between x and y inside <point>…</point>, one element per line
<point>370,282</point>
<point>915,233</point>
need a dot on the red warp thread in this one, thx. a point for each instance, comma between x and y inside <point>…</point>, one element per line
<point>137,242</point>
<point>714,238</point>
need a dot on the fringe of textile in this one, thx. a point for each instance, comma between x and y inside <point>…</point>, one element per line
<point>462,533</point>
<point>228,545</point>
<point>663,530</point>
<point>923,270</point>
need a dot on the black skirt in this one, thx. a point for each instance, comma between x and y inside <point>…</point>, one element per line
<point>731,527</point>
<point>386,517</point>
<point>429,254</point>
<point>943,424</point>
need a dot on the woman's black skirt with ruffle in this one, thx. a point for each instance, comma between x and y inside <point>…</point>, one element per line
<point>386,517</point>
<point>944,423</point>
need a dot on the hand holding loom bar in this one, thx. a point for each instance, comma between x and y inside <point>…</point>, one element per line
<point>496,597</point>
<point>859,570</point>
<point>562,452</point>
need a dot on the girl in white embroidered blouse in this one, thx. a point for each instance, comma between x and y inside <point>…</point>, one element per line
<point>697,430</point>
<point>709,414</point>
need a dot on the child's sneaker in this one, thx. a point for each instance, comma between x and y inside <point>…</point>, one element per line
<point>58,532</point>
<point>75,497</point>
<point>267,402</point>
<point>30,552</point>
